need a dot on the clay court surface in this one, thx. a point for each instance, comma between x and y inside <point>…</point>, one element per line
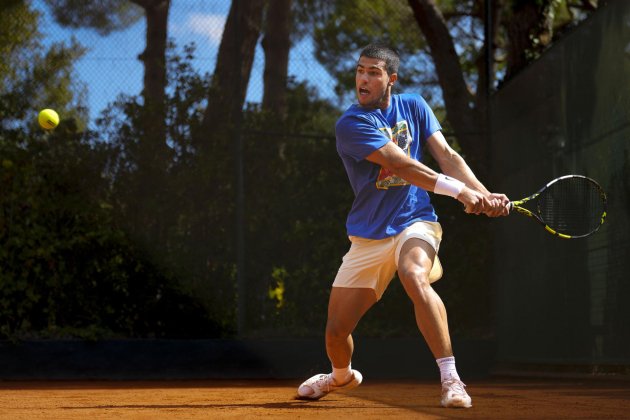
<point>216,399</point>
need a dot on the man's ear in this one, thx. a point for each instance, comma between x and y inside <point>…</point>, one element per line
<point>392,78</point>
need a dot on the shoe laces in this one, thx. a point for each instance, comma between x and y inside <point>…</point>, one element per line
<point>324,381</point>
<point>455,385</point>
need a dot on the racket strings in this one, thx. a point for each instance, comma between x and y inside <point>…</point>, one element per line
<point>573,206</point>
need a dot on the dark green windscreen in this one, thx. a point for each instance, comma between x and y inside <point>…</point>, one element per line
<point>567,301</point>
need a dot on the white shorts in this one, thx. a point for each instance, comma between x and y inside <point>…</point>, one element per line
<point>371,263</point>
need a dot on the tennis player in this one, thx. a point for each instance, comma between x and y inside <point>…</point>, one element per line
<point>392,225</point>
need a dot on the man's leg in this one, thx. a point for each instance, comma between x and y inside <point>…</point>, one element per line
<point>346,306</point>
<point>414,265</point>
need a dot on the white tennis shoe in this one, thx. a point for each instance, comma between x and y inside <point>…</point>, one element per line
<point>454,394</point>
<point>320,385</point>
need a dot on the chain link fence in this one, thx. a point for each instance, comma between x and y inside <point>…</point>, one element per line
<point>174,221</point>
<point>230,229</point>
<point>111,66</point>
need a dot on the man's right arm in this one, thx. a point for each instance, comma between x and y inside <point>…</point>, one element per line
<point>392,157</point>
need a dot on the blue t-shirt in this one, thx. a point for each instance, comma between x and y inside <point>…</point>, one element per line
<point>384,203</point>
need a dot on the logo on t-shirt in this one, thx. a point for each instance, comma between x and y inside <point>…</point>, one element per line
<point>400,135</point>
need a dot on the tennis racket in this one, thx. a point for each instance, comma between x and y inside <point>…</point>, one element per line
<point>569,207</point>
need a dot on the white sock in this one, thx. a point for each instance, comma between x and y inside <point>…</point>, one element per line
<point>447,368</point>
<point>342,376</point>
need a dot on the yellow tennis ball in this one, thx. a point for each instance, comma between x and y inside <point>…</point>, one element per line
<point>48,119</point>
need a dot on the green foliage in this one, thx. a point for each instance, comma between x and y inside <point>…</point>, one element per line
<point>296,202</point>
<point>105,235</point>
<point>33,77</point>
<point>105,238</point>
<point>66,268</point>
<point>342,32</point>
<point>71,263</point>
<point>180,206</point>
<point>18,27</point>
<point>105,16</point>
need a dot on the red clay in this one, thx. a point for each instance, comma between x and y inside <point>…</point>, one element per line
<point>212,399</point>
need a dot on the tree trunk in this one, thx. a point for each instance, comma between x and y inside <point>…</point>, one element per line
<point>154,60</point>
<point>153,152</point>
<point>461,107</point>
<point>485,61</point>
<point>233,68</point>
<point>276,45</point>
<point>529,31</point>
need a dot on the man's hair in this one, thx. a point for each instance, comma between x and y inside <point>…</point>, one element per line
<point>383,52</point>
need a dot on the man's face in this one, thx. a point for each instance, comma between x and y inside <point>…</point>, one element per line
<point>373,82</point>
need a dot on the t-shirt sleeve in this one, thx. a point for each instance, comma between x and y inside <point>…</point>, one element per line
<point>357,137</point>
<point>429,124</point>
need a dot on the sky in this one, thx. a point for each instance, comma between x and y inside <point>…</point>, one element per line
<point>111,67</point>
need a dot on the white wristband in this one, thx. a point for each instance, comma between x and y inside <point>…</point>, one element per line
<point>446,185</point>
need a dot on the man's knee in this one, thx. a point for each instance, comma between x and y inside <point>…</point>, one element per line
<point>414,275</point>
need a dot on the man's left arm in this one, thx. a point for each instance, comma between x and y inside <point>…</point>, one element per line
<point>453,165</point>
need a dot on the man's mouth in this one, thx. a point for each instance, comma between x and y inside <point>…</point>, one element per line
<point>363,91</point>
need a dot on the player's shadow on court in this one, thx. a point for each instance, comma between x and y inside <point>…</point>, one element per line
<point>277,405</point>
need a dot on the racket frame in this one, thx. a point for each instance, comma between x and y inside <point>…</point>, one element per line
<point>516,205</point>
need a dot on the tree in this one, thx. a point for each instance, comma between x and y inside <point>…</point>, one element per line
<point>112,15</point>
<point>531,26</point>
<point>33,77</point>
<point>67,269</point>
<point>529,29</point>
<point>449,53</point>
<point>151,153</point>
<point>464,107</point>
<point>276,44</point>
<point>154,60</point>
<point>233,67</point>
<point>104,16</point>
<point>522,28</point>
